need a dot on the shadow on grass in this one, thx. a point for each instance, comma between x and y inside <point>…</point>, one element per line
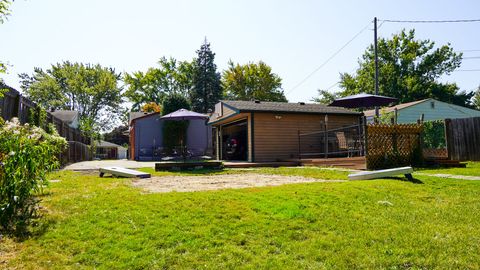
<point>29,222</point>
<point>405,179</point>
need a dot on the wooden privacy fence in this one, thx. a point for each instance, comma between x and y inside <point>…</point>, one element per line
<point>13,104</point>
<point>75,152</point>
<point>396,145</point>
<point>463,138</point>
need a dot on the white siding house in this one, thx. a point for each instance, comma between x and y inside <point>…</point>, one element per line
<point>430,108</point>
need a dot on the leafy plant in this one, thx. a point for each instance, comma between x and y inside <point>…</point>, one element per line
<point>27,154</point>
<point>174,132</point>
<point>434,134</point>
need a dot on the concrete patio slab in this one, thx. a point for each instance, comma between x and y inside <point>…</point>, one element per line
<point>97,164</point>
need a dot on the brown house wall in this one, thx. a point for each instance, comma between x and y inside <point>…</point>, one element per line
<point>276,139</point>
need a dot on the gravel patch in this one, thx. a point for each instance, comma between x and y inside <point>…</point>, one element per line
<point>215,182</point>
<point>455,176</point>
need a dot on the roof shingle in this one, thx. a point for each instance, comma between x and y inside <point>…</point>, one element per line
<point>267,106</point>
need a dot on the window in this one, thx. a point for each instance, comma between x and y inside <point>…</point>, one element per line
<point>432,104</point>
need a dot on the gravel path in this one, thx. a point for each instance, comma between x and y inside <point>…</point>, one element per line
<point>215,182</point>
<point>442,175</point>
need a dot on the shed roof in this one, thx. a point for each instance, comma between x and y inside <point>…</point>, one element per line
<point>284,107</point>
<point>135,115</point>
<point>106,144</point>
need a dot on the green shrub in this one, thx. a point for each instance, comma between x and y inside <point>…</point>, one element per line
<point>27,154</point>
<point>434,134</point>
<point>174,132</point>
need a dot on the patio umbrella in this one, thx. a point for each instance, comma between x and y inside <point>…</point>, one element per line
<point>362,101</point>
<point>184,114</point>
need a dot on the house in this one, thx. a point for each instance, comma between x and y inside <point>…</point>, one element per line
<point>430,108</point>
<point>108,150</point>
<point>146,136</point>
<point>258,131</point>
<point>71,118</point>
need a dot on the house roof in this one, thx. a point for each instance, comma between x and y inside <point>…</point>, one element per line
<point>284,107</point>
<point>106,144</point>
<point>65,115</point>
<point>135,115</point>
<point>398,107</point>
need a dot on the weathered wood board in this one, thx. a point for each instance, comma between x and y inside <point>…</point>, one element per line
<point>123,172</point>
<point>407,171</point>
<point>463,138</point>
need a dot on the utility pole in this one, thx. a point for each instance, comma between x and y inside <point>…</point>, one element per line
<point>376,60</point>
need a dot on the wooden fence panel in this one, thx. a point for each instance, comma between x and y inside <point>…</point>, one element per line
<point>13,104</point>
<point>463,138</point>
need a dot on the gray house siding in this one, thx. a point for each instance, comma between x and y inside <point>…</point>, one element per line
<point>148,136</point>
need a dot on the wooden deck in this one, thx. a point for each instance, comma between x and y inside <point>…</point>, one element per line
<point>244,164</point>
<point>356,163</point>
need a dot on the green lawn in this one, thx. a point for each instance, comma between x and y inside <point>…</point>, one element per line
<point>472,169</point>
<point>104,223</point>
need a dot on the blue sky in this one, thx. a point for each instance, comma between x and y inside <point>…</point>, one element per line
<point>293,37</point>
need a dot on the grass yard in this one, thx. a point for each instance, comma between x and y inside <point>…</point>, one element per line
<point>472,169</point>
<point>104,223</point>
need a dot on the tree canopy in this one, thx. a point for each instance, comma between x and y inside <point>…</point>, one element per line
<point>92,90</point>
<point>173,103</point>
<point>252,81</point>
<point>409,69</point>
<point>207,89</point>
<point>476,99</point>
<point>171,77</point>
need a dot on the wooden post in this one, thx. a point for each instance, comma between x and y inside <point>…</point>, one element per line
<point>299,145</point>
<point>326,135</point>
<point>396,115</point>
<point>365,136</point>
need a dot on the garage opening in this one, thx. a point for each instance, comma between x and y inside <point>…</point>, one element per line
<point>235,141</point>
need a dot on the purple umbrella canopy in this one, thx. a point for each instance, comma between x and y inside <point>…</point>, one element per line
<point>362,101</point>
<point>184,114</point>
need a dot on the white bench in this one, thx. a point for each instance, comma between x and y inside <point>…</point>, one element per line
<point>123,172</point>
<point>407,171</point>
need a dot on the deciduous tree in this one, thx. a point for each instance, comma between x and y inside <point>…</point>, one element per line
<point>409,70</point>
<point>325,97</point>
<point>252,81</point>
<point>92,90</point>
<point>171,77</point>
<point>476,99</point>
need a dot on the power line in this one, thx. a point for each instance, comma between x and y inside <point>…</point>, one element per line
<point>330,58</point>
<point>466,70</point>
<point>432,21</point>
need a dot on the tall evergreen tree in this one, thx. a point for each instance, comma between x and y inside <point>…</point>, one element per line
<point>207,89</point>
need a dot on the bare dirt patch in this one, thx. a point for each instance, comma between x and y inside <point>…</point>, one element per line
<point>215,182</point>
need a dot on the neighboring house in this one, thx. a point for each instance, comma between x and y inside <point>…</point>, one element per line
<point>108,150</point>
<point>430,108</point>
<point>269,131</point>
<point>71,118</point>
<point>146,136</point>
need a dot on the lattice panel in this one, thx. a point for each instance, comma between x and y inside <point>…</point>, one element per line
<point>390,146</point>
